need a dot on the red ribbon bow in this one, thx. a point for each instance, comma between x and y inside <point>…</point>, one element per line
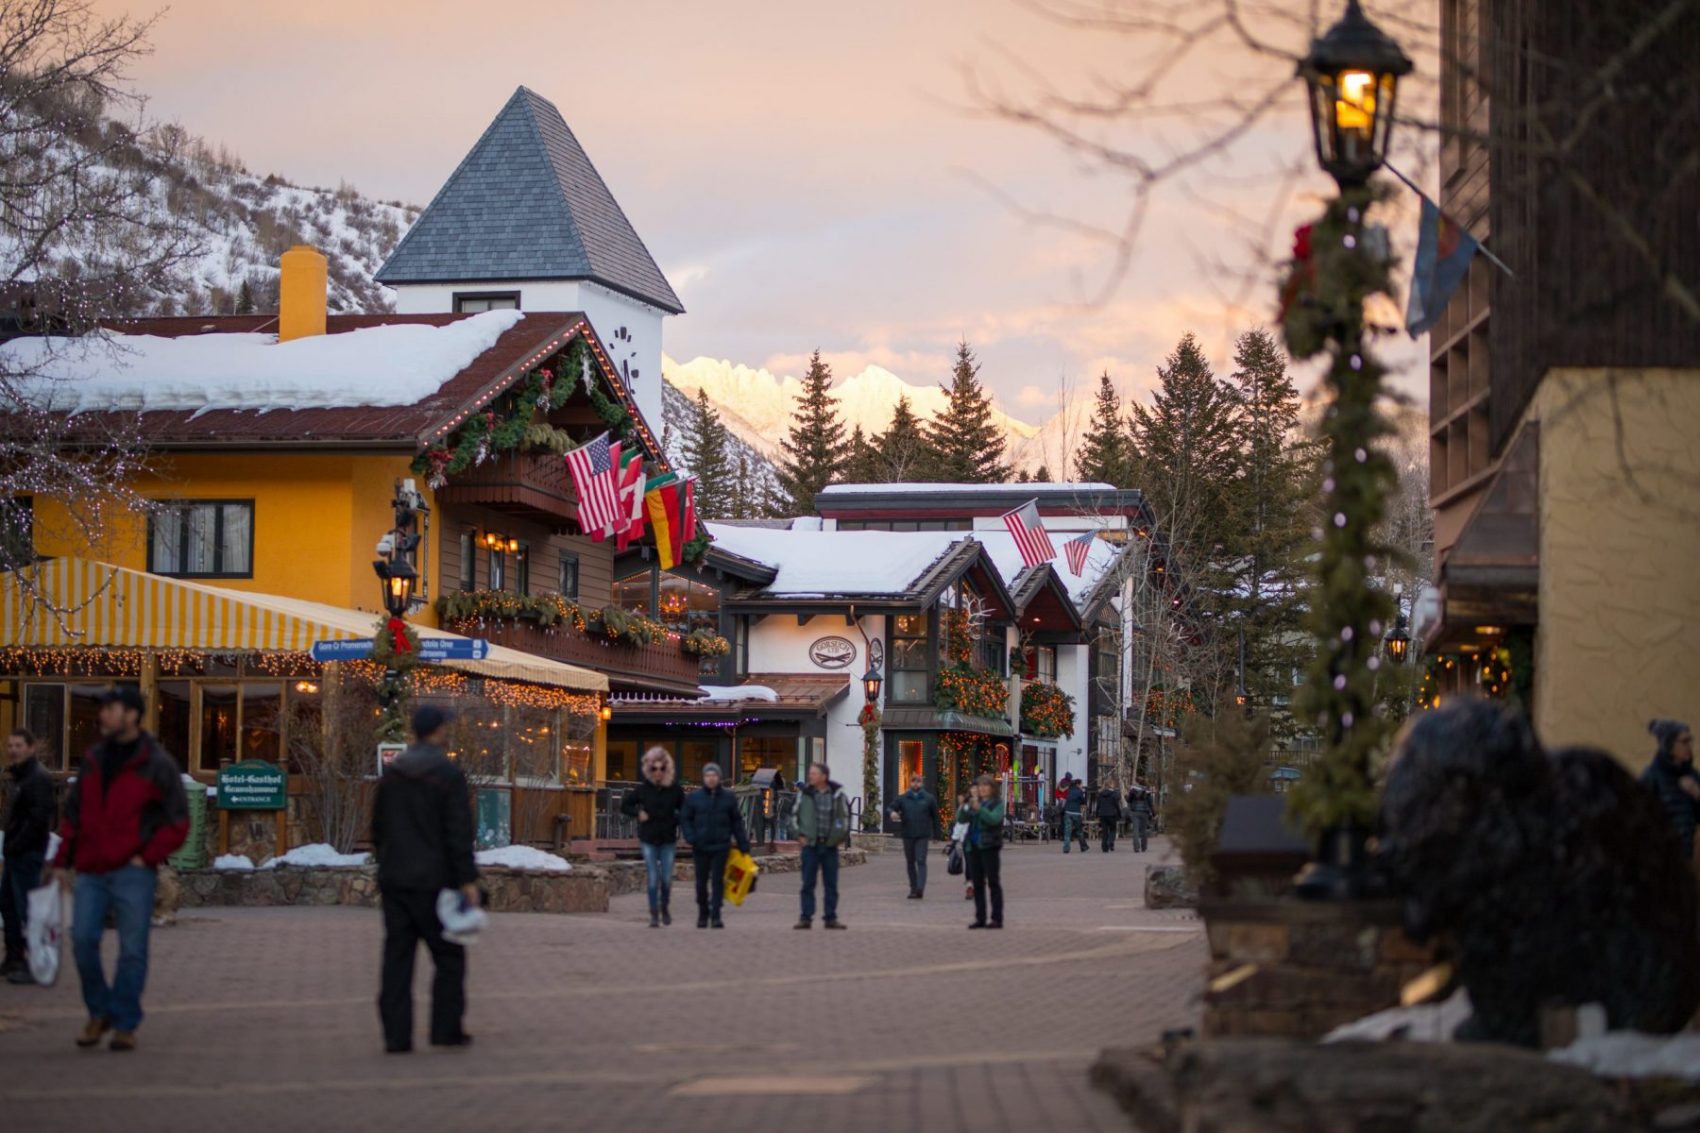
<point>398,630</point>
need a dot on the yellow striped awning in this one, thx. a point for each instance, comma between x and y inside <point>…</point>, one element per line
<point>71,601</point>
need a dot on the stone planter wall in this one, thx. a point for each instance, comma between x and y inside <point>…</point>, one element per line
<point>629,877</point>
<point>585,890</point>
<point>1298,969</point>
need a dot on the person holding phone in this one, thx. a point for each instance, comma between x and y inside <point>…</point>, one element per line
<point>984,814</point>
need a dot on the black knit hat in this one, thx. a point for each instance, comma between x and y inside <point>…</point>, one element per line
<point>1666,732</point>
<point>427,718</point>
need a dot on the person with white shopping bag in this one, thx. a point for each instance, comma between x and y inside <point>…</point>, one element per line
<point>125,815</point>
<point>28,828</point>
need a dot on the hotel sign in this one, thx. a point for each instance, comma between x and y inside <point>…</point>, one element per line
<point>253,784</point>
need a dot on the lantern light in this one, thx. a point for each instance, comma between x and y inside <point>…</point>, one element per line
<point>1353,74</point>
<point>1398,641</point>
<point>396,579</point>
<point>871,681</point>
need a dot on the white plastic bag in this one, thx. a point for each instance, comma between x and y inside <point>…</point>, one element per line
<point>959,832</point>
<point>462,920</point>
<point>45,932</point>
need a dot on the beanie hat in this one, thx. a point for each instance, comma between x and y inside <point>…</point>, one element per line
<point>428,718</point>
<point>1666,732</point>
<point>707,767</point>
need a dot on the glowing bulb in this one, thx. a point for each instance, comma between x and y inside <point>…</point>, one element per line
<point>1355,108</point>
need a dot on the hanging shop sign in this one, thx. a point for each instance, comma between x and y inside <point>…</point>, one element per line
<point>833,653</point>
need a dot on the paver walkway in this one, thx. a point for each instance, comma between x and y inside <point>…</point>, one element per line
<point>263,1019</point>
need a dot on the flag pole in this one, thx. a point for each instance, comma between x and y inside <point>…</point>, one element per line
<point>1480,247</point>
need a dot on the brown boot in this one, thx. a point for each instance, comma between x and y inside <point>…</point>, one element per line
<point>123,1040</point>
<point>92,1032</point>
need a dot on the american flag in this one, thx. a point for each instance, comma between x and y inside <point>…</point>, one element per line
<point>592,468</point>
<point>1029,531</point>
<point>1077,549</point>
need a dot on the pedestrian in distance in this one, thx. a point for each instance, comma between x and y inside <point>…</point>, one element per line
<point>125,815</point>
<point>823,825</point>
<point>1108,809</point>
<point>712,822</point>
<point>422,833</point>
<point>27,829</point>
<point>916,813</point>
<point>984,814</point>
<point>656,802</point>
<point>1142,810</point>
<point>1671,777</point>
<point>1074,805</point>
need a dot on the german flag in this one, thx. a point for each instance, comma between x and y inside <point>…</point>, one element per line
<point>664,501</point>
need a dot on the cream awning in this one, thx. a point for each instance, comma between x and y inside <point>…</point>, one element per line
<point>70,601</point>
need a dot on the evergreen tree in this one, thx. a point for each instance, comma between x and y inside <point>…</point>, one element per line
<point>816,449</point>
<point>1022,477</point>
<point>1186,442</point>
<point>862,465</point>
<point>703,451</point>
<point>966,447</point>
<point>740,505</point>
<point>1106,451</point>
<point>245,299</point>
<point>1042,475</point>
<point>902,448</point>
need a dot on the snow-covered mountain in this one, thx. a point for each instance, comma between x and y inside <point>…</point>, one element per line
<point>757,405</point>
<point>676,415</point>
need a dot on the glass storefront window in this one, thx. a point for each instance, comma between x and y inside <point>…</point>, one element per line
<point>692,755</point>
<point>911,761</point>
<point>757,752</point>
<point>44,715</point>
<point>687,605</point>
<point>84,720</point>
<point>218,725</point>
<point>262,722</point>
<point>632,593</point>
<point>622,761</point>
<point>909,667</point>
<point>176,719</point>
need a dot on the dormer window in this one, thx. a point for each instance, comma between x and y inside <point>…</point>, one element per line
<point>477,302</point>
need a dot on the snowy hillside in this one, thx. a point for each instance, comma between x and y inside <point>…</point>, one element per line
<point>757,405</point>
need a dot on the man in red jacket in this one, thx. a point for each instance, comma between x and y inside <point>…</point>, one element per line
<point>125,815</point>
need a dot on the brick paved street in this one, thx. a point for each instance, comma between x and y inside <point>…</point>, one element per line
<point>263,1019</point>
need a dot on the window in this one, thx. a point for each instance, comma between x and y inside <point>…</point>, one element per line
<point>1045,661</point>
<point>632,592</point>
<point>522,569</point>
<point>203,539</point>
<point>44,715</point>
<point>910,682</point>
<point>568,585</point>
<point>687,605</point>
<point>477,302</point>
<point>498,569</point>
<point>469,559</point>
<point>741,645</point>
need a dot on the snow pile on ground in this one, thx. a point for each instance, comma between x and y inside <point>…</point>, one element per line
<point>385,365</point>
<point>1630,1054</point>
<point>237,862</point>
<point>1425,1023</point>
<point>316,855</point>
<point>738,692</point>
<point>523,857</point>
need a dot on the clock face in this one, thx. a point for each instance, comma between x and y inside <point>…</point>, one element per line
<point>623,352</point>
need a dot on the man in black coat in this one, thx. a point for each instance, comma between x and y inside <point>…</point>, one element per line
<point>1142,810</point>
<point>916,813</point>
<point>712,821</point>
<point>27,827</point>
<point>1108,810</point>
<point>422,832</point>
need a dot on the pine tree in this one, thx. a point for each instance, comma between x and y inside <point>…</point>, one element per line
<point>703,451</point>
<point>740,504</point>
<point>966,447</point>
<point>1022,477</point>
<point>862,465</point>
<point>1186,441</point>
<point>1106,451</point>
<point>1042,475</point>
<point>902,448</point>
<point>816,449</point>
<point>245,299</point>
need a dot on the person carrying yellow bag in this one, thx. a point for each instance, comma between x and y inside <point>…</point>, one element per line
<point>741,871</point>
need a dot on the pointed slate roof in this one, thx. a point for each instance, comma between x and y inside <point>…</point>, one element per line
<point>526,203</point>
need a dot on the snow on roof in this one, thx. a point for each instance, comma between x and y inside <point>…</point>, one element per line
<point>816,564</point>
<point>400,364</point>
<point>738,692</point>
<point>1047,489</point>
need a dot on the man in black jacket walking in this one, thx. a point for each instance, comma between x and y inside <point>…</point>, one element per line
<point>27,828</point>
<point>916,813</point>
<point>422,832</point>
<point>711,822</point>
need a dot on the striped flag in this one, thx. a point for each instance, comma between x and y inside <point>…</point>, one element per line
<point>666,521</point>
<point>591,466</point>
<point>1077,550</point>
<point>627,527</point>
<point>689,518</point>
<point>1030,536</point>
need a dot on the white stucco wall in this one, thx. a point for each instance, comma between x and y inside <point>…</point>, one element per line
<point>779,645</point>
<point>1072,673</point>
<point>630,330</point>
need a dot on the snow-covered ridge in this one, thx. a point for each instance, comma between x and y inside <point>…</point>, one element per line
<point>384,365</point>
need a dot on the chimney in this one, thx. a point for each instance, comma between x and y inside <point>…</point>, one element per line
<point>301,294</point>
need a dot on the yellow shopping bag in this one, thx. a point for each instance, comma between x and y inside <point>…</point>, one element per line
<point>741,873</point>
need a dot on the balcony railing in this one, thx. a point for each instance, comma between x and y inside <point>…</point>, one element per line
<point>661,665</point>
<point>516,482</point>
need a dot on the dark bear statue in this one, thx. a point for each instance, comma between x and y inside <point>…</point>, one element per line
<point>1548,880</point>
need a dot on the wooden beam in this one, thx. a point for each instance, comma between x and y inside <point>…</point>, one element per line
<point>805,619</point>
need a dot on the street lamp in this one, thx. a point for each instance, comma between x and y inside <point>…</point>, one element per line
<point>1398,641</point>
<point>871,681</point>
<point>397,578</point>
<point>1353,73</point>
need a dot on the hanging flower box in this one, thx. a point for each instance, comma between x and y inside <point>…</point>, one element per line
<point>973,692</point>
<point>1046,710</point>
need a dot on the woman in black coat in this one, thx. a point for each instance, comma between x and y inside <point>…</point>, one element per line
<point>1671,777</point>
<point>655,802</point>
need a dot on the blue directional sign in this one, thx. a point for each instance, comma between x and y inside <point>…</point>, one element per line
<point>353,650</point>
<point>431,649</point>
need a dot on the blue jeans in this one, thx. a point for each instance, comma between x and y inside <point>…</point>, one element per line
<point>658,865</point>
<point>129,893</point>
<point>21,874</point>
<point>1071,832</point>
<point>824,860</point>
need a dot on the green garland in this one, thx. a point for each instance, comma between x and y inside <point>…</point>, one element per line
<point>1334,270</point>
<point>870,768</point>
<point>511,420</point>
<point>1046,710</point>
<point>394,686</point>
<point>975,692</point>
<point>704,643</point>
<point>462,607</point>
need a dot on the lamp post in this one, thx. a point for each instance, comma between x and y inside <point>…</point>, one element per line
<point>1352,74</point>
<point>871,681</point>
<point>1398,640</point>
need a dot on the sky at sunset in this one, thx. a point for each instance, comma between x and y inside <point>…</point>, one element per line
<point>807,175</point>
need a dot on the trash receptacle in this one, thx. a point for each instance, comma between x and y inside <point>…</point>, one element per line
<point>193,854</point>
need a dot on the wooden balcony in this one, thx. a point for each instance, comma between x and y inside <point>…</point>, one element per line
<point>519,483</point>
<point>663,668</point>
